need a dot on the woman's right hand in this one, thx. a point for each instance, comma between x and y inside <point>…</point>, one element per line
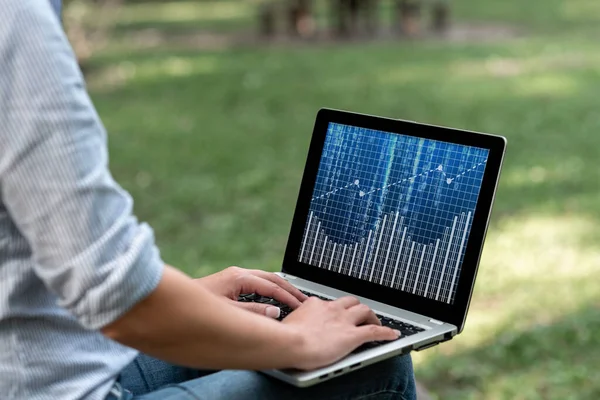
<point>330,330</point>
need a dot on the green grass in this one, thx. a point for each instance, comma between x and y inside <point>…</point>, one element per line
<point>186,16</point>
<point>211,144</point>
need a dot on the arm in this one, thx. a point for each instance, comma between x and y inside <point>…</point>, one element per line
<point>184,323</point>
<point>86,246</point>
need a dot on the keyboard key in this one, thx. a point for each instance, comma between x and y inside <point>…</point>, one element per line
<point>404,328</point>
<point>404,332</point>
<point>316,295</point>
<point>286,308</point>
<point>267,300</point>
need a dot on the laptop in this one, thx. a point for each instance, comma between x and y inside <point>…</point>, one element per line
<point>394,213</point>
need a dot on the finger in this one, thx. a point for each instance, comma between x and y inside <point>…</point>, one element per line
<point>347,301</point>
<point>362,314</point>
<point>370,333</point>
<point>262,309</point>
<point>254,284</point>
<point>276,279</point>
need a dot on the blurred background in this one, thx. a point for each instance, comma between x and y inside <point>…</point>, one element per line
<point>209,107</point>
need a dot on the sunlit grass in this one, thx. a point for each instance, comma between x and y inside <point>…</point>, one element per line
<point>546,15</point>
<point>182,11</point>
<point>525,327</point>
<point>581,10</point>
<point>127,72</point>
<point>185,11</point>
<point>182,16</point>
<point>565,170</point>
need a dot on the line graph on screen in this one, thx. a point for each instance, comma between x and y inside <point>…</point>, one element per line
<point>393,209</point>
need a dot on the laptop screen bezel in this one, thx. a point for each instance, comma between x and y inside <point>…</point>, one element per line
<point>450,313</point>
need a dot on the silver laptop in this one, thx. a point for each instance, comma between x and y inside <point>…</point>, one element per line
<point>394,213</point>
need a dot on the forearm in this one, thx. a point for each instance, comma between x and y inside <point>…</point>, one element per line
<point>183,323</point>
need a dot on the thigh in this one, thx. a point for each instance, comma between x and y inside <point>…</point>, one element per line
<point>147,374</point>
<point>390,379</point>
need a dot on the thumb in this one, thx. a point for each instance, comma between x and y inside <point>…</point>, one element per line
<point>262,309</point>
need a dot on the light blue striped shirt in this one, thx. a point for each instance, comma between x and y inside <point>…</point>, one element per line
<point>57,5</point>
<point>73,258</point>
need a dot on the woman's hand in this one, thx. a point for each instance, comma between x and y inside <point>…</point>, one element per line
<point>332,329</point>
<point>233,281</point>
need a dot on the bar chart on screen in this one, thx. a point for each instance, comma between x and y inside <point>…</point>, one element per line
<point>393,209</point>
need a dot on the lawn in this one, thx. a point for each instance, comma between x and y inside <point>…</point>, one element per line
<point>211,144</point>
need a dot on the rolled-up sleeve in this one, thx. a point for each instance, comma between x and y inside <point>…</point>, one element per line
<point>87,246</point>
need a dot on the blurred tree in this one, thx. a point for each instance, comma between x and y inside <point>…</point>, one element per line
<point>408,16</point>
<point>88,24</point>
<point>350,14</point>
<point>267,16</point>
<point>441,16</point>
<point>298,17</point>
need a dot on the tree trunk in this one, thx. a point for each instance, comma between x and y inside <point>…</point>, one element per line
<point>300,18</point>
<point>267,17</point>
<point>441,17</point>
<point>408,15</point>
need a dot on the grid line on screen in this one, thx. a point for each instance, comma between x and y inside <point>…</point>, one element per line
<point>393,209</point>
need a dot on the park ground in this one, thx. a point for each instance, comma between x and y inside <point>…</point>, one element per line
<point>211,139</point>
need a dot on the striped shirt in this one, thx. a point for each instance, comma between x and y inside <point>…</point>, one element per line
<point>57,5</point>
<point>73,258</point>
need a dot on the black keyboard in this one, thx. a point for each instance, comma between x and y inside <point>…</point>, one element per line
<point>405,329</point>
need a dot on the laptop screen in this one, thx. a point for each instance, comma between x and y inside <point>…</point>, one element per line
<point>393,209</point>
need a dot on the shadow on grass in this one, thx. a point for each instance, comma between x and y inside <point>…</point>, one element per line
<point>557,360</point>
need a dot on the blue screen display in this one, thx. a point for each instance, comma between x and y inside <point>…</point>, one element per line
<point>393,209</point>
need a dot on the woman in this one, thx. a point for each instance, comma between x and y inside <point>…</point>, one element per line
<point>83,289</point>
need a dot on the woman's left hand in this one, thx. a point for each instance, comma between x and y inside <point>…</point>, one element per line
<point>233,281</point>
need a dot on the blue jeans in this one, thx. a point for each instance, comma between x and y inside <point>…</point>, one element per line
<point>147,378</point>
